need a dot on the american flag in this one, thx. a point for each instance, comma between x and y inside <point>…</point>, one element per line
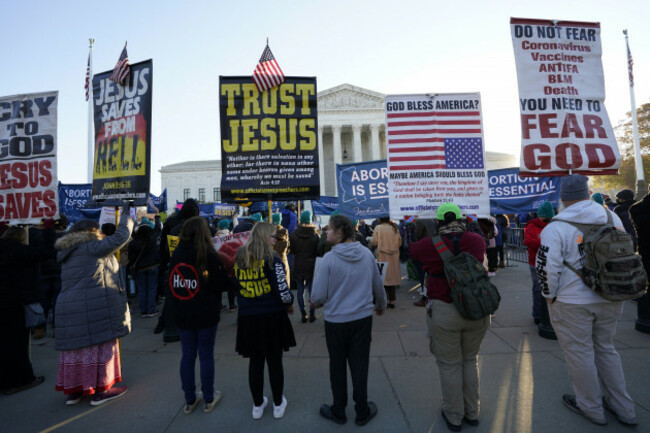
<point>426,140</point>
<point>87,86</point>
<point>121,70</point>
<point>630,64</point>
<point>267,73</point>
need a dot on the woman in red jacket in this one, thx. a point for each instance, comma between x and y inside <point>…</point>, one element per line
<point>532,231</point>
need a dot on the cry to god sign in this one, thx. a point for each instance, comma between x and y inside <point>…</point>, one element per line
<point>269,141</point>
<point>28,146</point>
<point>564,123</point>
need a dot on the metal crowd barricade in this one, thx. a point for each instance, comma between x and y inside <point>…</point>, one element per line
<point>515,249</point>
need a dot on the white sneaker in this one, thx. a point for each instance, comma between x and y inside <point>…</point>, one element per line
<point>258,411</point>
<point>189,408</point>
<point>208,407</point>
<point>278,411</point>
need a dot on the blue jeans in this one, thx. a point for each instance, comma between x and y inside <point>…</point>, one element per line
<point>302,286</point>
<point>537,293</point>
<point>147,283</point>
<point>199,341</point>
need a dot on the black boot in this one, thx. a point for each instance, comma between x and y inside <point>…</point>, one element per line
<point>160,327</point>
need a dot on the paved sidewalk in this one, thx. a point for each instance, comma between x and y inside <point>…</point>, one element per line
<point>523,378</point>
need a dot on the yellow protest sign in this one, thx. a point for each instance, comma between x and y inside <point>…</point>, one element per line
<point>172,243</point>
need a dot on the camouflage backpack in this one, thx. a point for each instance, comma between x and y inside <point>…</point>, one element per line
<point>611,267</point>
<point>474,296</point>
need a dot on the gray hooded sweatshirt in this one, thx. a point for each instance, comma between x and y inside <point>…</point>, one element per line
<point>346,281</point>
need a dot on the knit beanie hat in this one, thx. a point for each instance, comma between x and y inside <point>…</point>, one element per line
<point>598,198</point>
<point>145,222</point>
<point>257,217</point>
<point>574,187</point>
<point>625,195</point>
<point>336,212</point>
<point>305,217</point>
<point>546,210</point>
<point>224,224</point>
<point>276,218</point>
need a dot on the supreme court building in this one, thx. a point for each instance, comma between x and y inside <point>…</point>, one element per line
<point>351,128</point>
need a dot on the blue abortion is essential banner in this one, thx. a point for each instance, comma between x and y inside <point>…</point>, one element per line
<point>325,206</point>
<point>363,189</point>
<point>263,206</point>
<point>160,202</point>
<point>206,210</point>
<point>72,199</point>
<point>510,193</point>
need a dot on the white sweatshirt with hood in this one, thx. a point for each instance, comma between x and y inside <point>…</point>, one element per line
<point>561,241</point>
<point>346,283</point>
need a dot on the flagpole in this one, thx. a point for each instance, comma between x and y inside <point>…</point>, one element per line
<point>638,161</point>
<point>91,123</point>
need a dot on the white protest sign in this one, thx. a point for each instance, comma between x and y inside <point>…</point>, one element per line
<point>436,154</point>
<point>28,149</point>
<point>107,215</point>
<point>564,124</point>
<point>382,266</point>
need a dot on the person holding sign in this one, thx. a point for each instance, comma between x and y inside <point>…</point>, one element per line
<point>144,259</point>
<point>349,287</point>
<point>264,330</point>
<point>171,228</point>
<point>196,279</point>
<point>91,311</point>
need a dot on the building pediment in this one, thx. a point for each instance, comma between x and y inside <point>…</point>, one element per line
<point>348,97</point>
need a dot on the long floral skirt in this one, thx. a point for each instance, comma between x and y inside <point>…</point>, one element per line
<point>89,370</point>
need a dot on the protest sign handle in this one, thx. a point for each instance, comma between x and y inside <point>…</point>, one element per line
<point>117,219</point>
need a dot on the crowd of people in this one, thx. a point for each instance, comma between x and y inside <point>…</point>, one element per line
<point>76,280</point>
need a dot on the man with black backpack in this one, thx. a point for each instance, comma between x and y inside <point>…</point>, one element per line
<point>571,265</point>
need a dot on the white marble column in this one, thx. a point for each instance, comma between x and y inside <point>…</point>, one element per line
<point>356,129</point>
<point>336,144</point>
<point>338,159</point>
<point>321,160</point>
<point>374,142</point>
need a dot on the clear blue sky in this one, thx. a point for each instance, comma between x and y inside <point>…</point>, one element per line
<point>386,46</point>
